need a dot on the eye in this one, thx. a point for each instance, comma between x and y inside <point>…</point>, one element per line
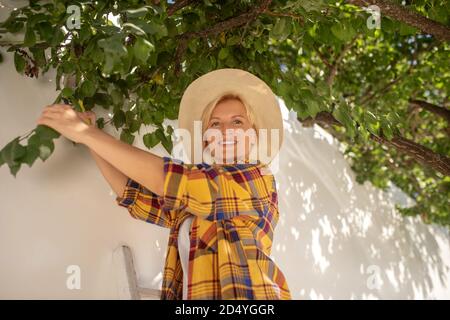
<point>236,121</point>
<point>213,124</point>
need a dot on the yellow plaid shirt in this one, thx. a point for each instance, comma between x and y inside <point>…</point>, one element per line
<point>235,210</point>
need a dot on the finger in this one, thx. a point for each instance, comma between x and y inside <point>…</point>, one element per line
<point>59,107</point>
<point>51,111</point>
<point>83,115</point>
<point>92,115</point>
<point>52,108</point>
<point>45,121</point>
<point>89,114</point>
<point>51,114</point>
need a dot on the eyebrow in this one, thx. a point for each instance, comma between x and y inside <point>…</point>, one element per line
<point>235,116</point>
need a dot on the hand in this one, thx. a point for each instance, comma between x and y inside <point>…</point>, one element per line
<point>65,120</point>
<point>88,117</point>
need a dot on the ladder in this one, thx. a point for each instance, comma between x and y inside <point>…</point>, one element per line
<point>126,277</point>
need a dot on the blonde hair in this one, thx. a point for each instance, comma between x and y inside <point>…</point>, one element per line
<point>207,112</point>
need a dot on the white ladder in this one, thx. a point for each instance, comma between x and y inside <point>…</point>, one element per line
<point>126,277</point>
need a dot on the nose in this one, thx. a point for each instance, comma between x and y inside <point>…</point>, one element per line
<point>223,129</point>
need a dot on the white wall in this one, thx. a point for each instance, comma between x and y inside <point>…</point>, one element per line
<point>335,234</point>
<point>331,230</point>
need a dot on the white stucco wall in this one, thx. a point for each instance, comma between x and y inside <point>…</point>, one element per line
<point>332,234</point>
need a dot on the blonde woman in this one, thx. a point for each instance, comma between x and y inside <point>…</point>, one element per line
<point>222,209</point>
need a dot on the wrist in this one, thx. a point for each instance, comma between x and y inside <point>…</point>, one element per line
<point>87,135</point>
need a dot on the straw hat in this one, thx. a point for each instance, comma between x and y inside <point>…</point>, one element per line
<point>252,89</point>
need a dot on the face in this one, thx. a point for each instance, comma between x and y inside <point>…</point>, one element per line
<point>231,140</point>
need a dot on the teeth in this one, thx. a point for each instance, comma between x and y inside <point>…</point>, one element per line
<point>228,142</point>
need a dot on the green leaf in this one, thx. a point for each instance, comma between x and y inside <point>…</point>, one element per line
<point>30,38</point>
<point>39,56</point>
<point>165,141</point>
<point>142,49</point>
<point>119,119</point>
<point>68,67</point>
<point>343,30</point>
<point>150,140</point>
<point>19,62</point>
<point>387,129</point>
<point>371,122</point>
<point>46,133</point>
<point>136,13</point>
<point>88,88</point>
<point>127,137</point>
<point>134,126</point>
<point>131,27</point>
<point>282,28</point>
<point>45,31</point>
<point>146,116</point>
<point>145,92</point>
<point>363,133</point>
<point>14,169</point>
<point>158,117</point>
<point>343,114</point>
<point>150,27</point>
<point>223,53</point>
<point>32,154</point>
<point>233,40</point>
<point>102,99</point>
<point>114,51</point>
<point>116,97</point>
<point>313,107</point>
<point>406,29</point>
<point>67,92</point>
<point>46,148</point>
<point>13,152</point>
<point>100,123</point>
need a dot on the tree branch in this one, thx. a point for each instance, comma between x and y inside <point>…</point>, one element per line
<point>287,14</point>
<point>322,57</point>
<point>219,27</point>
<point>386,87</point>
<point>179,5</point>
<point>406,15</point>
<point>334,67</point>
<point>440,111</point>
<point>416,151</point>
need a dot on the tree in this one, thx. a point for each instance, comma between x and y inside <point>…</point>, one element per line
<point>382,92</point>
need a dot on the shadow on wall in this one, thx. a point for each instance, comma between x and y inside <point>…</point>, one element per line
<point>341,240</point>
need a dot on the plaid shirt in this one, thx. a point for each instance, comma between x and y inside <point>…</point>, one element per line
<point>235,210</point>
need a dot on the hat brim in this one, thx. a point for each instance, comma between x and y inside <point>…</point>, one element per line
<point>255,92</point>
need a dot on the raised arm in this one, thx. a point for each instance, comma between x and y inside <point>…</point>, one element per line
<point>116,179</point>
<point>139,165</point>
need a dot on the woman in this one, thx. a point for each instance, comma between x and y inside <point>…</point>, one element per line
<point>221,210</point>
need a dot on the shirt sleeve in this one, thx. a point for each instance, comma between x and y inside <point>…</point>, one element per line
<point>145,205</point>
<point>186,187</point>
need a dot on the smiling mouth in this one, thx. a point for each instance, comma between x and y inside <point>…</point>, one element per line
<point>227,142</point>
